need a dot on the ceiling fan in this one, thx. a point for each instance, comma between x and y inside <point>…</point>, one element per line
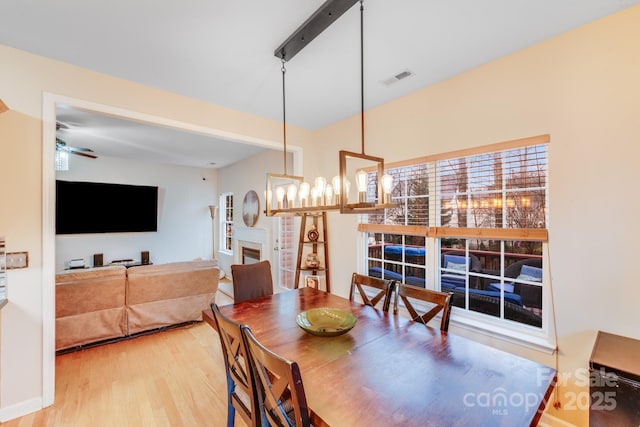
<point>61,145</point>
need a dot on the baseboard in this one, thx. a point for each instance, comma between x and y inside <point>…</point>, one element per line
<point>20,409</point>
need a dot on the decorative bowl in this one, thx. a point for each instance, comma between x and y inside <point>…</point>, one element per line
<point>326,322</point>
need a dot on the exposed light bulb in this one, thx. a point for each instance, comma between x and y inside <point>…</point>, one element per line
<point>321,184</point>
<point>386,181</point>
<point>280,196</point>
<point>315,195</point>
<point>328,193</point>
<point>303,193</point>
<point>335,181</point>
<point>361,183</point>
<point>291,194</point>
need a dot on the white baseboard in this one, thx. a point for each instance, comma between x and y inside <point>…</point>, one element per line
<point>21,409</point>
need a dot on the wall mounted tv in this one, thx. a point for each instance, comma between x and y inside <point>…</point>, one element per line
<point>97,207</point>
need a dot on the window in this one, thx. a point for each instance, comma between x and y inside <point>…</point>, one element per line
<point>474,224</point>
<point>226,223</point>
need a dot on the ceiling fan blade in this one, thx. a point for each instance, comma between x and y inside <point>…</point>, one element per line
<point>76,149</point>
<point>80,153</point>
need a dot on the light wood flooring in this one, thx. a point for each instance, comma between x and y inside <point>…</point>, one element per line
<point>170,378</point>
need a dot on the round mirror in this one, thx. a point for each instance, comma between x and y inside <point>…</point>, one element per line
<point>250,208</point>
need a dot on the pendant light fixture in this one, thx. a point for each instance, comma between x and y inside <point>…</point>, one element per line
<point>291,195</point>
<point>368,170</point>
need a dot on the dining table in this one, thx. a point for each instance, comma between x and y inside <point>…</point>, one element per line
<point>390,371</point>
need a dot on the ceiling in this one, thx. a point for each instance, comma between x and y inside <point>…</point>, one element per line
<point>223,52</point>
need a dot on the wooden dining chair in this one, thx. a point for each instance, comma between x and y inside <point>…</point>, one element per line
<point>440,301</point>
<point>382,288</point>
<point>242,394</point>
<point>280,387</point>
<point>251,280</point>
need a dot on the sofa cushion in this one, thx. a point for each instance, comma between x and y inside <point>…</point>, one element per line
<point>148,283</point>
<point>455,262</point>
<point>168,294</point>
<point>533,274</point>
<point>90,305</point>
<point>509,297</point>
<point>88,290</point>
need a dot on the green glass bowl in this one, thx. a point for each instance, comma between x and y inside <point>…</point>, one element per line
<point>326,322</point>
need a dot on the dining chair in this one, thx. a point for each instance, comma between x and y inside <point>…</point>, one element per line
<point>280,387</point>
<point>382,288</point>
<point>251,280</point>
<point>440,301</point>
<point>242,397</point>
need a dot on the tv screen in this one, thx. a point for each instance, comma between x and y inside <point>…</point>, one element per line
<point>96,207</point>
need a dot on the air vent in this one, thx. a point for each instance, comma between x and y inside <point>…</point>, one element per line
<point>400,76</point>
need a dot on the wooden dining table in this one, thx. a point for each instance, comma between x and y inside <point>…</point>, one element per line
<point>390,371</point>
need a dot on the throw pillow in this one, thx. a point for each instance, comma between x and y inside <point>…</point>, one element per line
<point>528,270</point>
<point>529,278</point>
<point>456,266</point>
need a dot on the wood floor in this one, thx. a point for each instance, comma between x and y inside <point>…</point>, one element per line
<point>170,378</point>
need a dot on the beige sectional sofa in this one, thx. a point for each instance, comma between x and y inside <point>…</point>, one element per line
<point>104,303</point>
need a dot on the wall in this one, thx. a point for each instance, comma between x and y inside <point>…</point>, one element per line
<point>184,221</point>
<point>582,88</point>
<point>26,348</point>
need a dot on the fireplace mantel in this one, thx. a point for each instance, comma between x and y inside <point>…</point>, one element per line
<point>251,237</point>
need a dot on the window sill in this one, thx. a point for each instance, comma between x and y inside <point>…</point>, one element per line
<point>536,340</point>
<point>226,252</point>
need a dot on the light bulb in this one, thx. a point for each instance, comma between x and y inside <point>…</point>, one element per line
<point>291,194</point>
<point>321,184</point>
<point>328,192</point>
<point>361,183</point>
<point>280,196</point>
<point>386,181</point>
<point>314,196</point>
<point>335,181</point>
<point>303,193</point>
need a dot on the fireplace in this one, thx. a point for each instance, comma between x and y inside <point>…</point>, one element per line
<point>250,244</point>
<point>250,255</point>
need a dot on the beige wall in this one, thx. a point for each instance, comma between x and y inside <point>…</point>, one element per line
<point>582,88</point>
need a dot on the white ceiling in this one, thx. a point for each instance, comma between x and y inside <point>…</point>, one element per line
<point>223,51</point>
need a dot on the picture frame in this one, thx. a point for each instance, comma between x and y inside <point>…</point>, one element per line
<point>312,281</point>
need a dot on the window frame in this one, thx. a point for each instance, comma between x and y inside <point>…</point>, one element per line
<point>226,223</point>
<point>539,338</point>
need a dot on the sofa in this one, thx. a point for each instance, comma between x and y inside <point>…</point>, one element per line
<point>113,302</point>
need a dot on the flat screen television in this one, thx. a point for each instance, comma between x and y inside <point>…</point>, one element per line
<point>98,207</point>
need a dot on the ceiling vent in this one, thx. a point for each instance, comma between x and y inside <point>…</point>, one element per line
<point>400,76</point>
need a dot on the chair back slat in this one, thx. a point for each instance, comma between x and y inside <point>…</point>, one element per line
<point>364,285</point>
<point>441,300</point>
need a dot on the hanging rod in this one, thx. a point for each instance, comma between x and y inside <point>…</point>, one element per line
<point>321,19</point>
